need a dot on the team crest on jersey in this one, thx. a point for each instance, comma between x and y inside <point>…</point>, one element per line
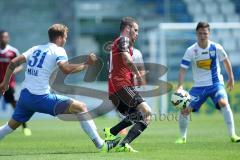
<point>212,53</point>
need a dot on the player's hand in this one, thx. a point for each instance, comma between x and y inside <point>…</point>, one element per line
<point>91,59</point>
<point>3,88</point>
<point>230,84</point>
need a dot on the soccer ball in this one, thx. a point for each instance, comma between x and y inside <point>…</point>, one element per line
<point>180,99</point>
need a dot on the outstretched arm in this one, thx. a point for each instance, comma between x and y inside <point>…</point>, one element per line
<point>68,68</point>
<point>16,62</point>
<point>229,71</point>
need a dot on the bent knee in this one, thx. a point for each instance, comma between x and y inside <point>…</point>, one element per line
<point>145,108</point>
<point>78,106</point>
<point>148,119</point>
<point>222,102</point>
<point>186,111</point>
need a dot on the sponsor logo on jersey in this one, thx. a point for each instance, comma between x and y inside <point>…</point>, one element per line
<point>204,64</point>
<point>204,52</point>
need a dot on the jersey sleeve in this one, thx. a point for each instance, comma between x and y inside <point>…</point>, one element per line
<point>137,56</point>
<point>28,53</point>
<point>186,60</point>
<point>61,55</point>
<point>221,53</point>
<point>123,44</point>
<point>17,52</point>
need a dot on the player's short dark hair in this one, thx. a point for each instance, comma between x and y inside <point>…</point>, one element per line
<point>2,31</point>
<point>127,21</point>
<point>56,30</point>
<point>202,25</point>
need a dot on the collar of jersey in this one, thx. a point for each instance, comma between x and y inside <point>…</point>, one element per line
<point>208,45</point>
<point>4,50</point>
<point>50,43</point>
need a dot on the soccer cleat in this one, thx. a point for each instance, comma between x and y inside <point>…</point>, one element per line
<point>181,141</point>
<point>108,135</point>
<point>125,148</point>
<point>27,132</point>
<point>235,139</point>
<point>110,144</point>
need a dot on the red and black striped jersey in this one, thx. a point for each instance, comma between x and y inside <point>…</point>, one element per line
<point>6,55</point>
<point>119,73</point>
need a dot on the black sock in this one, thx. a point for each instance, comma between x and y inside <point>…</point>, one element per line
<point>134,132</point>
<point>24,125</point>
<point>120,126</point>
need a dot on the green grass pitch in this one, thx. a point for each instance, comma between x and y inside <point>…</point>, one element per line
<point>59,140</point>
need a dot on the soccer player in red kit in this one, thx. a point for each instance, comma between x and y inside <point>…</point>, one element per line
<point>7,53</point>
<point>121,87</point>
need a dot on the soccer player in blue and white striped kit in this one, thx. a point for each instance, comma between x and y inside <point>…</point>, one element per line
<point>35,94</point>
<point>205,57</point>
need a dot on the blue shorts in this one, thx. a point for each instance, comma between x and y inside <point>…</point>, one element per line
<point>200,94</point>
<point>29,103</point>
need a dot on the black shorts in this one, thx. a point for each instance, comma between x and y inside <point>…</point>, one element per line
<point>9,95</point>
<point>126,100</point>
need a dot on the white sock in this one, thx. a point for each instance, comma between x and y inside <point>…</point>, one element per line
<point>183,125</point>
<point>91,130</point>
<point>5,130</point>
<point>228,118</point>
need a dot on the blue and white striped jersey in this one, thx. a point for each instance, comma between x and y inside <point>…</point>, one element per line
<point>205,63</point>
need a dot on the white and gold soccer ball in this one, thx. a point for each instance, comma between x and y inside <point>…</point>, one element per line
<point>180,99</point>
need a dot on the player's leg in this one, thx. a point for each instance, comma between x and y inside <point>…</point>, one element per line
<point>59,105</point>
<point>183,122</point>
<point>9,98</point>
<point>26,130</point>
<point>124,131</point>
<point>138,113</point>
<point>142,119</point>
<point>20,115</point>
<point>228,118</point>
<point>198,97</point>
<point>122,108</point>
<point>87,125</point>
<point>8,128</point>
<point>221,100</point>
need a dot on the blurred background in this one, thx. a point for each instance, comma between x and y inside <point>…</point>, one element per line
<point>93,23</point>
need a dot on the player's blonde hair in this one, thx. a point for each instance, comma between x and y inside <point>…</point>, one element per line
<point>56,30</point>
